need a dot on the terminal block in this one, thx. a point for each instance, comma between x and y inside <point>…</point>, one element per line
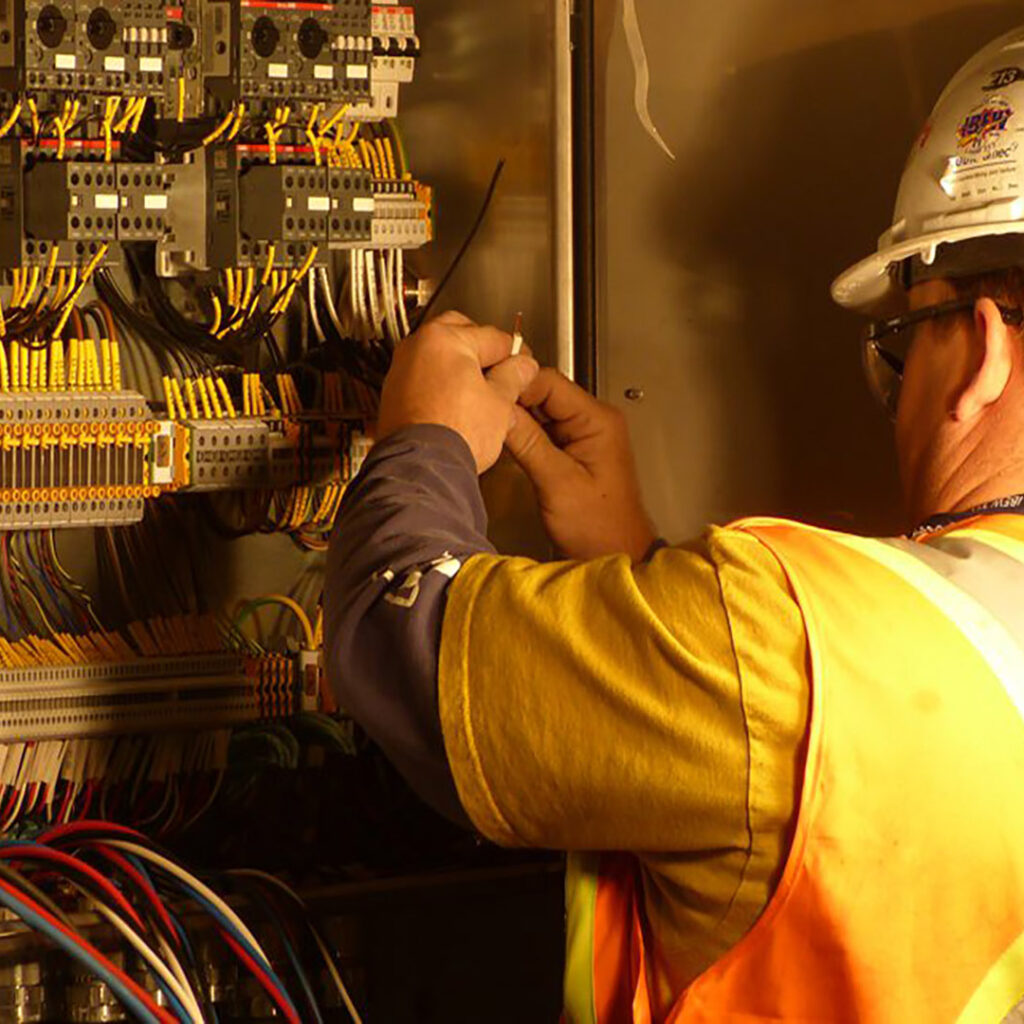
<point>145,695</point>
<point>242,454</point>
<point>401,215</point>
<point>219,455</point>
<point>74,459</point>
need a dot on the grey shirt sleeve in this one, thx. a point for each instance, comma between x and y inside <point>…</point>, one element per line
<point>409,519</point>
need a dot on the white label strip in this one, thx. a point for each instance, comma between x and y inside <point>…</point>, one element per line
<point>319,204</point>
<point>323,71</point>
<point>113,64</point>
<point>151,64</point>
<point>157,201</point>
<point>65,61</point>
<point>358,71</point>
<point>363,204</point>
<point>106,201</point>
<point>277,70</point>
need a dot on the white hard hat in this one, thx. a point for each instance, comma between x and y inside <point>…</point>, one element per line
<point>960,207</point>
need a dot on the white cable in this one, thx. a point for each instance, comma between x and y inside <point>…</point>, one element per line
<point>355,288</point>
<point>332,310</point>
<point>172,961</point>
<point>403,313</point>
<point>324,951</point>
<point>386,273</point>
<point>369,324</point>
<point>173,869</point>
<point>314,314</point>
<point>377,318</point>
<point>185,995</point>
<point>336,977</point>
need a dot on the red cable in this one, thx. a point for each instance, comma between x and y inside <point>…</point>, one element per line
<point>9,803</point>
<point>90,792</point>
<point>141,881</point>
<point>69,789</point>
<point>60,831</point>
<point>263,978</point>
<point>58,856</point>
<point>140,993</point>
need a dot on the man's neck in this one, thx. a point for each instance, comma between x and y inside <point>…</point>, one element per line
<point>964,494</point>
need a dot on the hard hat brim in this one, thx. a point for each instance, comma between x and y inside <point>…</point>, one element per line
<point>868,286</point>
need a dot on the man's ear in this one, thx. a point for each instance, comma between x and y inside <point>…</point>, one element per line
<point>990,365</point>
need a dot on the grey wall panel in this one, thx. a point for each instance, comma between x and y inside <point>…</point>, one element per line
<point>791,120</point>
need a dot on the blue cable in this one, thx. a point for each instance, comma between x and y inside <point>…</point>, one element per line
<point>209,1008</point>
<point>282,933</point>
<point>241,940</point>
<point>177,1005</point>
<point>127,998</point>
<point>37,570</point>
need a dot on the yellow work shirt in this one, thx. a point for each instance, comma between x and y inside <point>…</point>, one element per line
<point>658,709</point>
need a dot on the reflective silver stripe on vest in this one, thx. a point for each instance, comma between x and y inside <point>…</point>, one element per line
<point>993,578</point>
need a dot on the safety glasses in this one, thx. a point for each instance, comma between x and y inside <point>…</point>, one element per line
<point>884,363</point>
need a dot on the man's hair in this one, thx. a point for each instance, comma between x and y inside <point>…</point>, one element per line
<point>1004,286</point>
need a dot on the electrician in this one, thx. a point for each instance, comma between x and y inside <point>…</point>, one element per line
<point>788,764</point>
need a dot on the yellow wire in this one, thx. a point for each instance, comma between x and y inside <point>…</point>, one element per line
<point>50,266</point>
<point>218,313</point>
<point>296,609</point>
<point>220,129</point>
<point>271,252</point>
<point>9,123</point>
<point>181,98</point>
<point>237,126</point>
<point>390,153</point>
<point>386,171</point>
<point>138,114</point>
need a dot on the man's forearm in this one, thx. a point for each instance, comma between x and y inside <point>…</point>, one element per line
<point>408,521</point>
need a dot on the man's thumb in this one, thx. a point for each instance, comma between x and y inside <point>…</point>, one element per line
<point>543,462</point>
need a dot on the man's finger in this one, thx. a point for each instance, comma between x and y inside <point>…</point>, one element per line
<point>453,318</point>
<point>489,344</point>
<point>511,377</point>
<point>545,465</point>
<point>557,398</point>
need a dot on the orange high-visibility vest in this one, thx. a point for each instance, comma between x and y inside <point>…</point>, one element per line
<point>902,899</point>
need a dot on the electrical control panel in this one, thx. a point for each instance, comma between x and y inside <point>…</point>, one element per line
<point>209,228</point>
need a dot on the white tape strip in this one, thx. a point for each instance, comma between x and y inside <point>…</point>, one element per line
<point>642,71</point>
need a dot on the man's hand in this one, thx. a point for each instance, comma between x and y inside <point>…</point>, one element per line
<point>581,465</point>
<point>438,376</point>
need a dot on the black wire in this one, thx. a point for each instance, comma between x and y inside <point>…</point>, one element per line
<point>464,248</point>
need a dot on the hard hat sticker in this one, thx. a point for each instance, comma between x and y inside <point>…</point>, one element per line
<point>1002,78</point>
<point>979,128</point>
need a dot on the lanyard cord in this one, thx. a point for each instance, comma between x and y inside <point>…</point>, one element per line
<point>1013,505</point>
